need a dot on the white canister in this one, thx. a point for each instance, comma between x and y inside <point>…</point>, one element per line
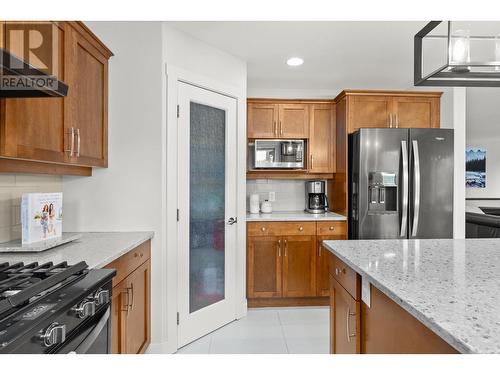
<point>266,207</point>
<point>254,203</point>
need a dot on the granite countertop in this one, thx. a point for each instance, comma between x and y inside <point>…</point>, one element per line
<point>295,216</point>
<point>96,248</point>
<point>451,286</point>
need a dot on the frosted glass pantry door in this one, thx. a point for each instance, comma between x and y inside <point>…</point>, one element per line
<point>207,208</point>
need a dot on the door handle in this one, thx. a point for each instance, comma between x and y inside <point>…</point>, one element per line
<point>416,188</point>
<point>232,220</point>
<point>404,208</point>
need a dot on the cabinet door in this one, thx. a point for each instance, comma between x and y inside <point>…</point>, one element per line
<point>322,273</point>
<point>138,318</point>
<point>299,266</point>
<point>262,120</point>
<point>293,121</point>
<point>369,111</point>
<point>416,112</point>
<point>119,310</point>
<point>321,142</point>
<point>345,327</point>
<point>264,267</point>
<point>33,128</point>
<point>87,114</point>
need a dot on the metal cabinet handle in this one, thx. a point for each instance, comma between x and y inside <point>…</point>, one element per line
<point>301,229</point>
<point>319,250</point>
<point>397,121</point>
<point>279,248</point>
<point>78,142</point>
<point>285,247</point>
<point>349,314</point>
<point>72,143</point>
<point>275,128</point>
<point>416,188</point>
<point>404,216</point>
<point>390,120</point>
<point>132,302</point>
<point>281,129</point>
<point>127,305</point>
<point>312,161</point>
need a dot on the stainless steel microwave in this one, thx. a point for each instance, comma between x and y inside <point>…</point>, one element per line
<point>277,154</point>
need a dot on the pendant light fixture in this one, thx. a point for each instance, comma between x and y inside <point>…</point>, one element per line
<point>457,53</point>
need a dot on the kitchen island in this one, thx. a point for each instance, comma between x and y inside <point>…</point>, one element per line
<point>416,296</point>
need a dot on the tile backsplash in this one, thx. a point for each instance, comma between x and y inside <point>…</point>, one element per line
<point>12,186</point>
<point>290,194</point>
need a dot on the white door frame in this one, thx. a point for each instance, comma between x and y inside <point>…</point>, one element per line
<point>174,75</point>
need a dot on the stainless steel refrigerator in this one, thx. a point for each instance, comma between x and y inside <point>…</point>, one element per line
<point>401,183</point>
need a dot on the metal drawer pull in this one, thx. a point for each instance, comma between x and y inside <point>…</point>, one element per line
<point>332,228</point>
<point>349,335</point>
<point>301,229</point>
<point>263,229</point>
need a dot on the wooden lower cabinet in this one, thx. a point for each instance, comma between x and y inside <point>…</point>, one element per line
<point>345,337</point>
<point>264,267</point>
<point>131,302</point>
<point>299,266</point>
<point>384,327</point>
<point>285,263</point>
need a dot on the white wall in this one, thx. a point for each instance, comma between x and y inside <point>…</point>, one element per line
<point>483,130</point>
<point>127,196</point>
<point>190,60</point>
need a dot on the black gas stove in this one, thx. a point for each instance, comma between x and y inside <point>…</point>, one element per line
<point>54,308</point>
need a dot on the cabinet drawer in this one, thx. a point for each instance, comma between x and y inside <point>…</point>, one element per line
<point>282,228</point>
<point>345,276</point>
<point>130,261</point>
<point>331,228</point>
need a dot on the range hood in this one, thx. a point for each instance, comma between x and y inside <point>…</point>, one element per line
<point>19,79</point>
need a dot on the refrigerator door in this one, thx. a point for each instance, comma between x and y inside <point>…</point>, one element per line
<point>378,181</point>
<point>431,183</point>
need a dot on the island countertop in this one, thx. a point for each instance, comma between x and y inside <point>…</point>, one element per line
<point>451,286</point>
<point>96,248</point>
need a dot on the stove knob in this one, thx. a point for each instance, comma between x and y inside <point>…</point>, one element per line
<point>85,309</point>
<point>54,334</point>
<point>101,297</point>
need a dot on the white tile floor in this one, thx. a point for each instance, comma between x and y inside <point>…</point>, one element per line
<point>269,331</point>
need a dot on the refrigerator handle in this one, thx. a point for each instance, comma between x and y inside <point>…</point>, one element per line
<point>404,208</point>
<point>416,188</point>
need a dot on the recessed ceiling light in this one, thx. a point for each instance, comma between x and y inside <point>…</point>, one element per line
<point>295,61</point>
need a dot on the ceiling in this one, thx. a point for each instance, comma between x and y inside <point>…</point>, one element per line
<point>364,54</point>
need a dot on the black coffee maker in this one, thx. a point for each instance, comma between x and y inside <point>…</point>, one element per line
<point>316,200</point>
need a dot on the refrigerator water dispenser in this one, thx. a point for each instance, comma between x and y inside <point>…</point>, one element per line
<point>382,193</point>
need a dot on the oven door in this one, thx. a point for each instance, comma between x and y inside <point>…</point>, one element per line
<point>92,337</point>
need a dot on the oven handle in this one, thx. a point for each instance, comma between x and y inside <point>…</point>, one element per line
<point>92,336</point>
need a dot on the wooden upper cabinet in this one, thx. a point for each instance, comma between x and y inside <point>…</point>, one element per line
<point>369,111</point>
<point>321,139</point>
<point>386,109</point>
<point>262,120</point>
<point>87,114</point>
<point>293,121</point>
<point>264,263</point>
<point>33,128</point>
<point>416,112</point>
<point>38,134</point>
<point>299,266</point>
<point>267,119</point>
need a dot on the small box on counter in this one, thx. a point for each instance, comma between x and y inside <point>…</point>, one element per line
<point>41,216</point>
